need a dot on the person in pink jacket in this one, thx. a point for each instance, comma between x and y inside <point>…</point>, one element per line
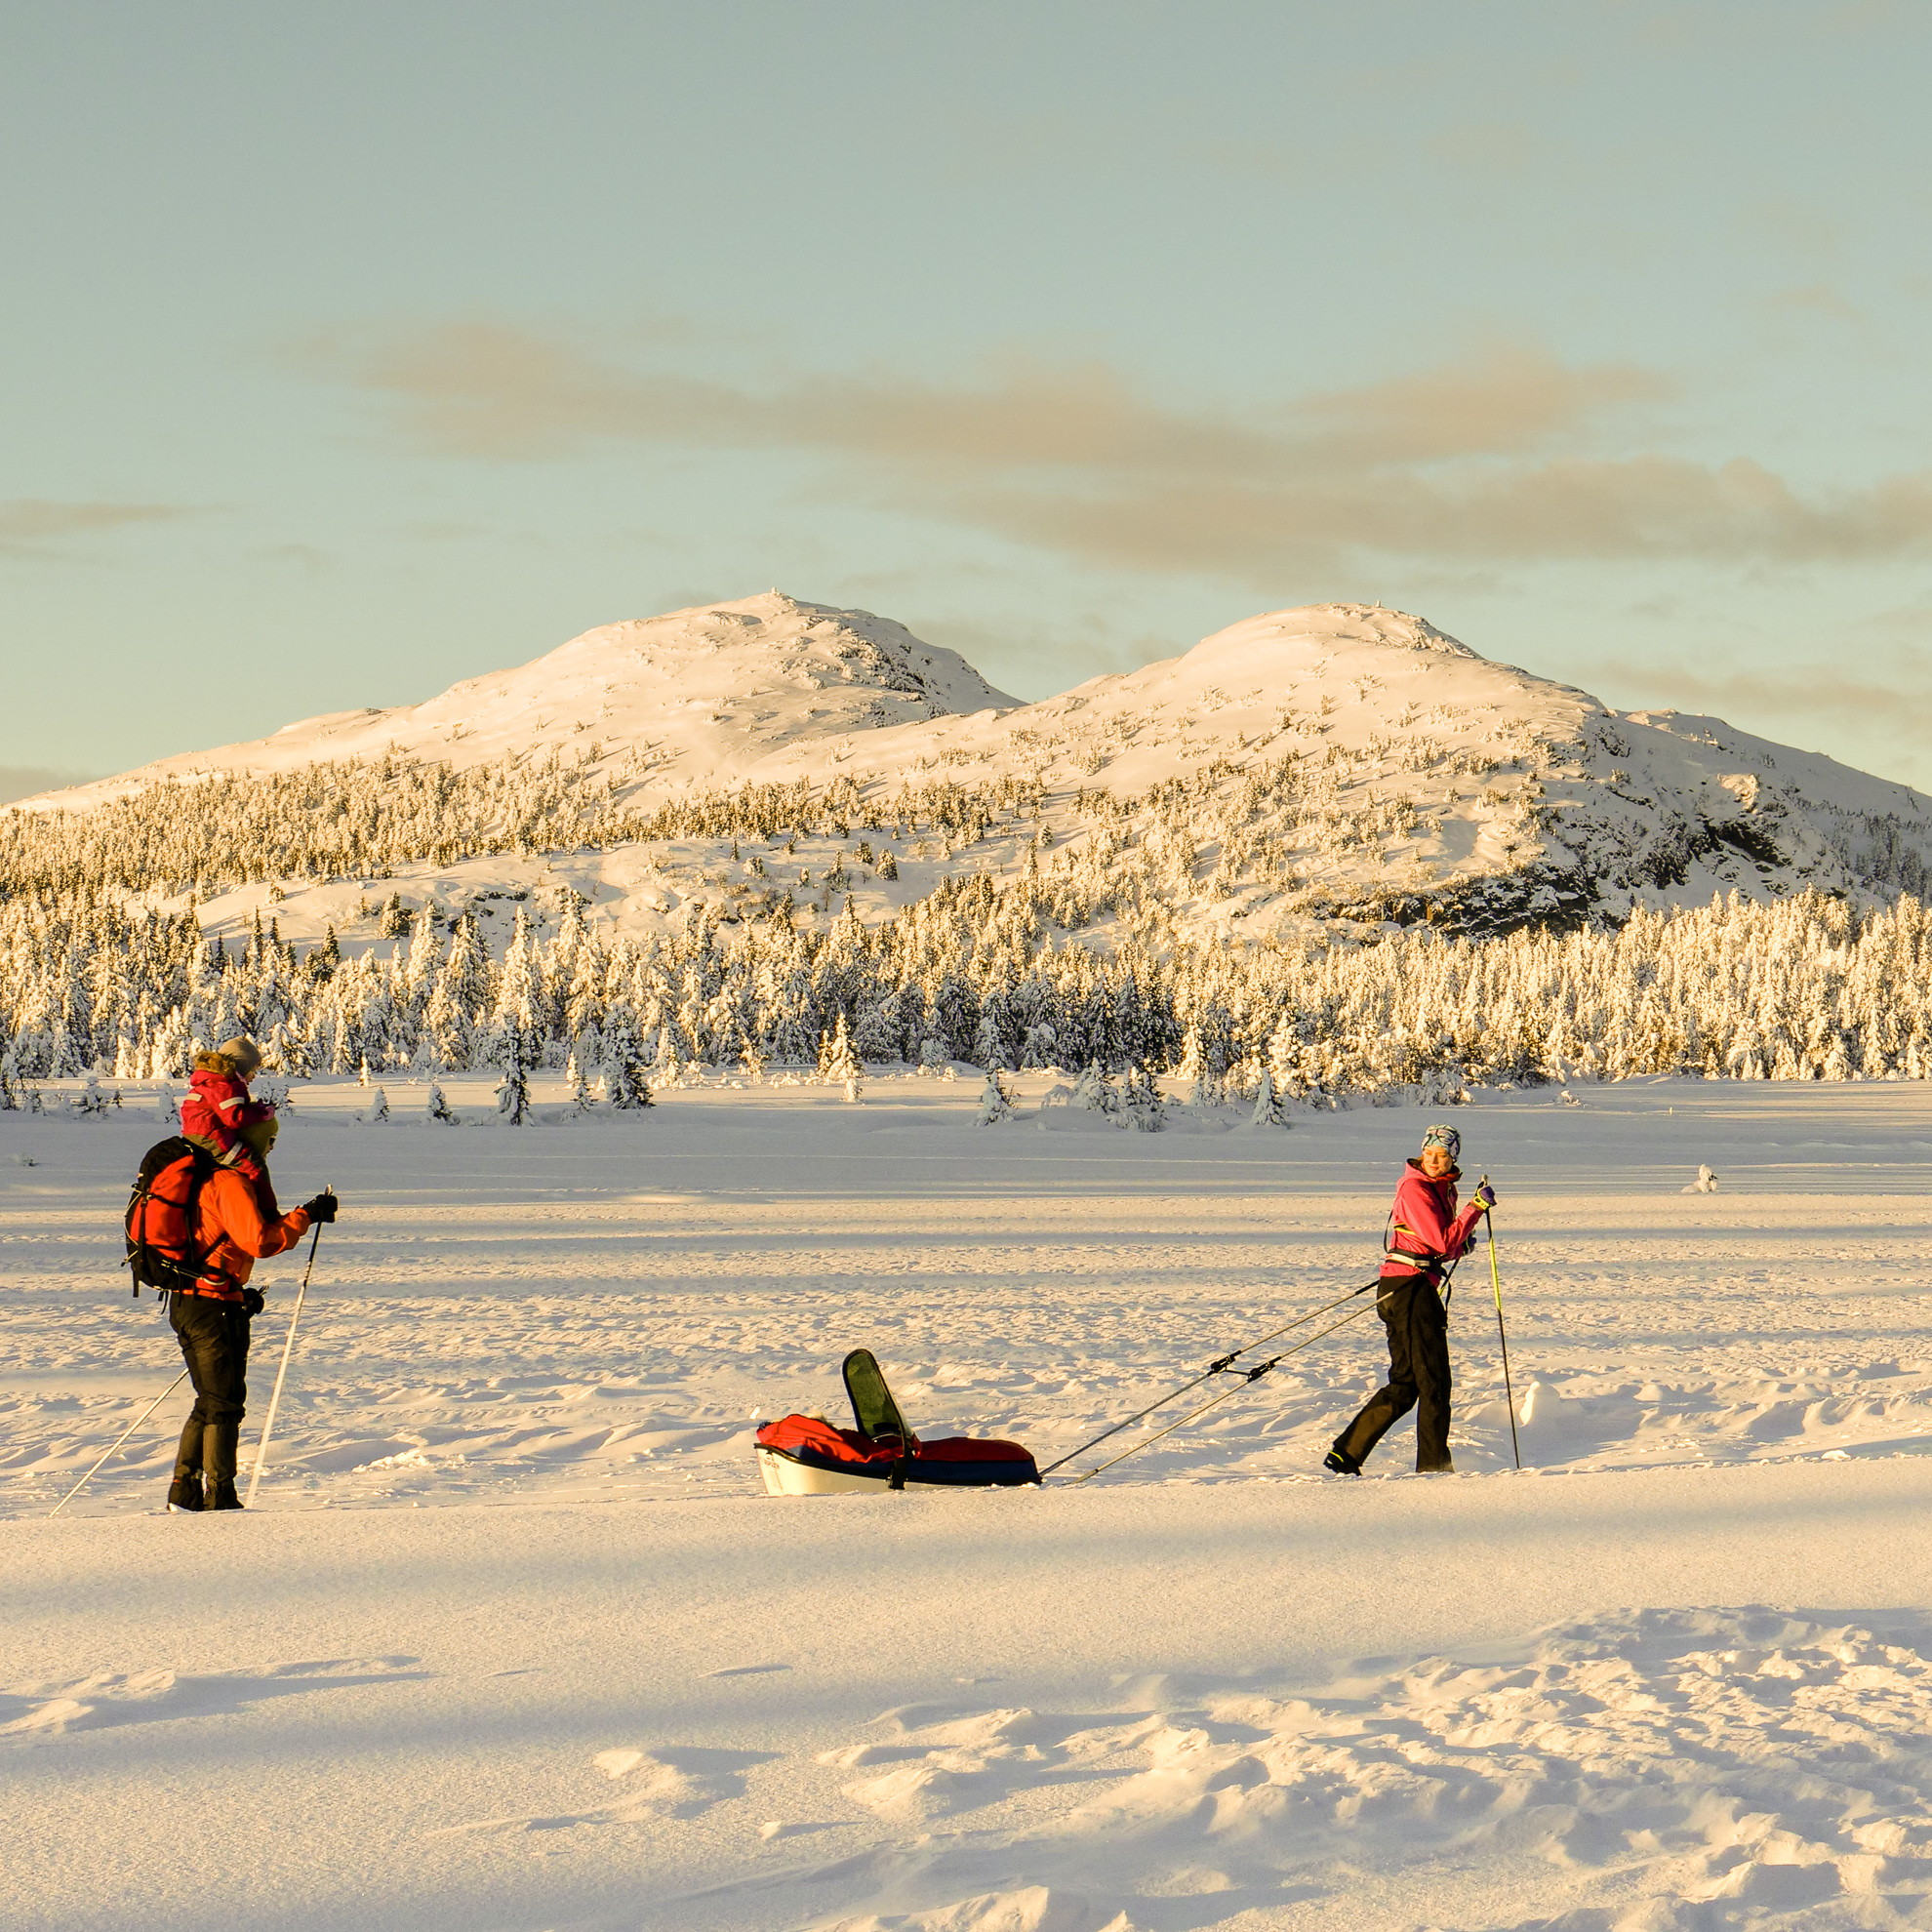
<point>1425,1234</point>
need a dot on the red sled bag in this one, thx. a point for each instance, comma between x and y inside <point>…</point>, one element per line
<point>160,1216</point>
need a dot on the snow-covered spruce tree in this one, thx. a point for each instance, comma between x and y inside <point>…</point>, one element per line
<point>838,1065</point>
<point>576,1086</point>
<point>513,1089</point>
<point>1146,1111</point>
<point>1095,1092</point>
<point>377,1110</point>
<point>626,1084</point>
<point>1268,1111</point>
<point>437,1107</point>
<point>90,1103</point>
<point>666,1073</point>
<point>995,1100</point>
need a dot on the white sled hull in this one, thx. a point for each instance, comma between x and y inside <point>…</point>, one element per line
<point>785,1478</point>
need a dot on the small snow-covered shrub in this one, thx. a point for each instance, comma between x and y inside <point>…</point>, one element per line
<point>995,1100</point>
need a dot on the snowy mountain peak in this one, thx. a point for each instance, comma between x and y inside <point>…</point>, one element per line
<point>1333,627</point>
<point>811,646</point>
<point>700,695</point>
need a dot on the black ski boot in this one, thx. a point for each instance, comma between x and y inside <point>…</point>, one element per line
<point>1339,1462</point>
<point>185,1496</point>
<point>223,1496</point>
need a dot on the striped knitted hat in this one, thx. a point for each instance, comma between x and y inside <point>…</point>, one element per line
<point>1446,1138</point>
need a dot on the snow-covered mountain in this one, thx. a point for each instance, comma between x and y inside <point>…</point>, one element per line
<point>1337,763</point>
<point>707,694</point>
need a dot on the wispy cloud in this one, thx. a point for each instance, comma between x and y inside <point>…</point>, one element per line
<point>1503,456</point>
<point>34,526</point>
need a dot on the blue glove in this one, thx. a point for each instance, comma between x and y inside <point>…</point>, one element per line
<point>1486,1197</point>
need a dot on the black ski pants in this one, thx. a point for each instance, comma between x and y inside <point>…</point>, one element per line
<point>1418,1325</point>
<point>214,1337</point>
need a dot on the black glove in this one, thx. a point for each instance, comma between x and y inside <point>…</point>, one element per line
<point>252,1302</point>
<point>322,1208</point>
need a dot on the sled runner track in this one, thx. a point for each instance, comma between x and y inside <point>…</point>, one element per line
<point>1216,1367</point>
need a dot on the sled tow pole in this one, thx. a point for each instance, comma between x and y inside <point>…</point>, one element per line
<point>1219,1366</point>
<point>1254,1374</point>
<point>118,1440</point>
<point>281,1374</point>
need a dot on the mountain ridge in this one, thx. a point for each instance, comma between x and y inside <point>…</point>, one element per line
<point>1327,768</point>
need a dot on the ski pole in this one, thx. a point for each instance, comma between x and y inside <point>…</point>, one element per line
<point>1215,1367</point>
<point>1254,1374</point>
<point>1496,1277</point>
<point>118,1440</point>
<point>288,1348</point>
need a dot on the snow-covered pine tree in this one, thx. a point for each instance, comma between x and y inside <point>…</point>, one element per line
<point>667,1072</point>
<point>838,1065</point>
<point>1268,1111</point>
<point>576,1086</point>
<point>437,1107</point>
<point>1095,1092</point>
<point>626,1085</point>
<point>378,1109</point>
<point>995,1100</point>
<point>513,1090</point>
<point>1146,1112</point>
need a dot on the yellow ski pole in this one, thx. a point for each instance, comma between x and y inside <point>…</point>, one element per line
<point>1495,1280</point>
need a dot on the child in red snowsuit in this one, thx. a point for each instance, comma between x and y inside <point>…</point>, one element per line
<point>218,1105</point>
<point>1425,1234</point>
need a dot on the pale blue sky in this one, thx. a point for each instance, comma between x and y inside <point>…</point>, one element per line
<point>352,349</point>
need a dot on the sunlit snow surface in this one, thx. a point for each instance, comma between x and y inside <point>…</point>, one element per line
<point>596,1678</point>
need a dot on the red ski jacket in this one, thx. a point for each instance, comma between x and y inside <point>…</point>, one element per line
<point>1426,1224</point>
<point>215,1110</point>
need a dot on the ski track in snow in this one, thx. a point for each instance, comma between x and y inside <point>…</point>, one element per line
<point>587,1313</point>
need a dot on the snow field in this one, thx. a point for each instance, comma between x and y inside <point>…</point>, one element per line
<point>596,1308</point>
<point>1209,1689</point>
<point>1157,1707</point>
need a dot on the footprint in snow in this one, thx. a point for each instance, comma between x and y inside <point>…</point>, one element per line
<point>1674,1769</point>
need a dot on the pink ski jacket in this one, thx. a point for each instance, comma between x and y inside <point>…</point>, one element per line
<point>1425,1223</point>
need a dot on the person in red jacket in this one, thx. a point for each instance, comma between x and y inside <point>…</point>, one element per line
<point>1425,1234</point>
<point>218,1106</point>
<point>236,1225</point>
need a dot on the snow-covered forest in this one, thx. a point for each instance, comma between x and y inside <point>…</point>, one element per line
<point>1807,987</point>
<point>1332,846</point>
